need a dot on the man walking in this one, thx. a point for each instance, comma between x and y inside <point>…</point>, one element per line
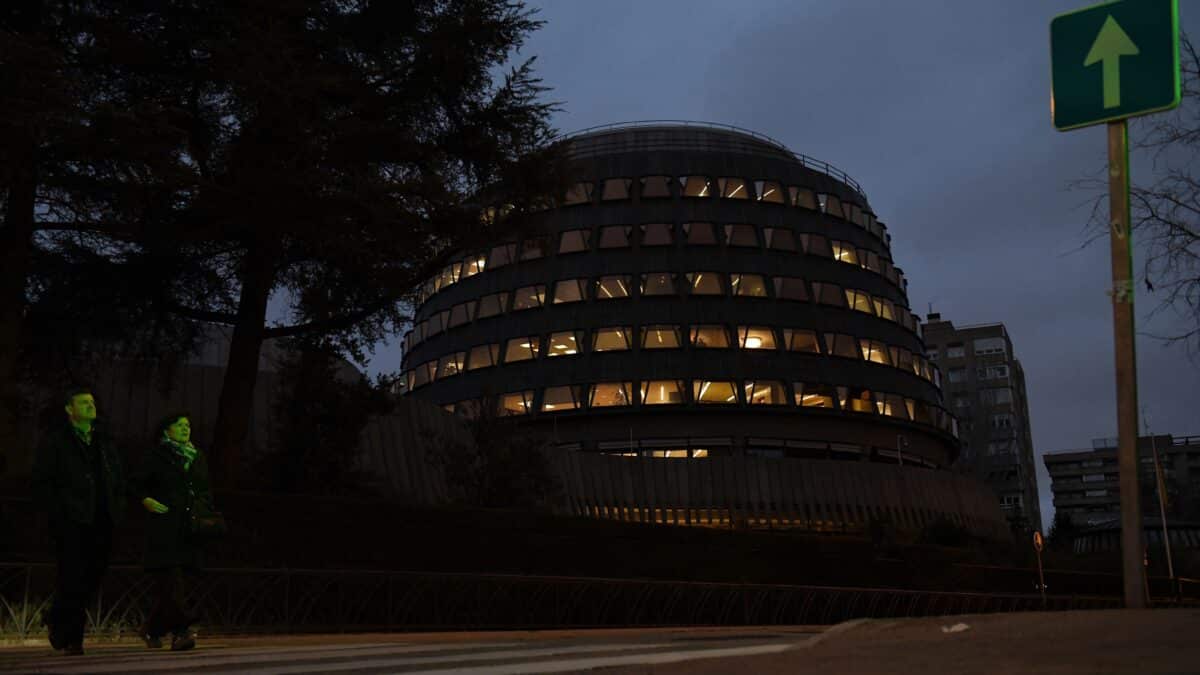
<point>78,479</point>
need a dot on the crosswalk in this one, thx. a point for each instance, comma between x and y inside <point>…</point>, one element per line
<point>413,657</point>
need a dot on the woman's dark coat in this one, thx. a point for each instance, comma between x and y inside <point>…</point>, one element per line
<point>169,540</point>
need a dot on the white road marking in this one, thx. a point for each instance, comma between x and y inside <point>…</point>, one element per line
<point>605,661</point>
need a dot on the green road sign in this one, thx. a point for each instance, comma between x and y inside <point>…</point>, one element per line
<point>1115,60</point>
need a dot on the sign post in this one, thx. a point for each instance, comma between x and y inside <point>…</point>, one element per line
<point>1110,62</point>
<point>1037,546</point>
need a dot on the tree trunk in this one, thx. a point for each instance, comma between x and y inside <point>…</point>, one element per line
<point>16,251</point>
<point>241,373</point>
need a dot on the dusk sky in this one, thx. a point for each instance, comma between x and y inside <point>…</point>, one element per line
<point>941,111</point>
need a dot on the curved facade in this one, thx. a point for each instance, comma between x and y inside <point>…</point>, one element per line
<point>700,292</point>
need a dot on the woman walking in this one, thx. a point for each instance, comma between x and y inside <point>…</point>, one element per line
<point>174,484</point>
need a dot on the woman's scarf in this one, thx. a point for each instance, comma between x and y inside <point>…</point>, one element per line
<point>185,450</point>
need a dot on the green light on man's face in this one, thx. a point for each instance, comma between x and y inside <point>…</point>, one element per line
<point>82,408</point>
<point>180,431</point>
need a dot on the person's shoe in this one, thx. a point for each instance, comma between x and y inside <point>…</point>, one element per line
<point>73,650</point>
<point>152,641</point>
<point>181,643</point>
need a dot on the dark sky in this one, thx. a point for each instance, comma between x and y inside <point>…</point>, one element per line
<point>941,112</point>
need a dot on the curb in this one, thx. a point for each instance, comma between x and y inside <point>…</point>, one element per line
<point>831,631</point>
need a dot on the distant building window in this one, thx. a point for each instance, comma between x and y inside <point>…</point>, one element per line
<point>579,193</point>
<point>563,343</point>
<point>831,205</point>
<point>992,372</point>
<point>474,265</point>
<point>955,352</point>
<point>451,364</point>
<point>714,391</point>
<point>555,399</point>
<point>812,395</point>
<point>483,356</point>
<point>741,235</point>
<point>957,375</point>
<point>733,188</point>
<point>748,285</point>
<point>799,340</point>
<point>803,197</point>
<point>875,351</point>
<point>932,354</point>
<point>612,339</point>
<point>791,288</point>
<point>990,345</point>
<point>529,297</point>
<point>569,290</point>
<point>657,234</point>
<point>574,241</point>
<point>779,238</point>
<point>1094,478</point>
<point>765,392</point>
<point>612,287</point>
<point>616,188</point>
<point>1002,421</point>
<point>756,337</point>
<point>768,191</point>
<point>829,294</point>
<point>662,392</point>
<point>843,252</point>
<point>710,337</point>
<point>901,358</point>
<point>891,405</point>
<point>699,234</point>
<point>705,283</point>
<point>461,313</point>
<point>491,305</point>
<point>658,283</point>
<point>1095,493</point>
<point>842,345</point>
<point>502,255</point>
<point>516,403</point>
<point>1001,395</point>
<point>859,301</point>
<point>521,349</point>
<point>695,186</point>
<point>611,394</point>
<point>660,337</point>
<point>615,236</point>
<point>656,187</point>
<point>815,244</point>
<point>884,308</point>
<point>856,399</point>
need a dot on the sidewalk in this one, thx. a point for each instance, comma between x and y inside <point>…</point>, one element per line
<point>1138,642</point>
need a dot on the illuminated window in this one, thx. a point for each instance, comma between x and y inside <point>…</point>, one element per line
<point>660,337</point>
<point>768,191</point>
<point>612,287</point>
<point>816,244</point>
<point>534,248</point>
<point>461,313</point>
<point>611,339</point>
<point>800,340</point>
<point>529,297</point>
<point>901,358</point>
<point>856,215</point>
<point>574,241</point>
<point>869,260</point>
<point>922,413</point>
<point>741,235</point>
<point>615,236</point>
<point>656,187</point>
<point>841,345</point>
<point>450,274</point>
<point>714,391</point>
<point>699,233</point>
<point>830,205</point>
<point>501,255</point>
<point>474,265</point>
<point>705,283</point>
<point>856,399</point>
<point>579,193</point>
<point>662,392</point>
<point>658,283</point>
<point>451,364</point>
<point>491,305</point>
<point>611,394</point>
<point>779,238</point>
<point>884,308</point>
<point>802,197</point>
<point>891,405</point>
<point>423,374</point>
<point>564,343</point>
<point>410,380</point>
<point>765,392</point>
<point>755,337</point>
<point>812,395</point>
<point>520,349</point>
<point>844,252</point>
<point>483,356</point>
<point>710,337</point>
<point>695,186</point>
<point>562,398</point>
<point>874,350</point>
<point>569,290</point>
<point>657,234</point>
<point>829,294</point>
<point>616,188</point>
<point>791,288</point>
<point>748,285</point>
<point>859,301</point>
<point>733,188</point>
<point>515,403</point>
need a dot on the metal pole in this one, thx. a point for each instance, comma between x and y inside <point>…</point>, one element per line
<point>900,449</point>
<point>1162,508</point>
<point>1041,578</point>
<point>1126,362</point>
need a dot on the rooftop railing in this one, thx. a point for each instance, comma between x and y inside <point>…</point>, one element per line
<point>804,160</point>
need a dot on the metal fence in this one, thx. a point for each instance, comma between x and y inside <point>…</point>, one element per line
<point>232,601</point>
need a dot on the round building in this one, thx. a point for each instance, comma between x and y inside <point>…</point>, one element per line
<point>709,304</point>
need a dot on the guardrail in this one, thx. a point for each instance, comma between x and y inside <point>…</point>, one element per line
<point>249,601</point>
<point>805,160</point>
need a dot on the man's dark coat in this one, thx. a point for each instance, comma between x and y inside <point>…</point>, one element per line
<point>65,484</point>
